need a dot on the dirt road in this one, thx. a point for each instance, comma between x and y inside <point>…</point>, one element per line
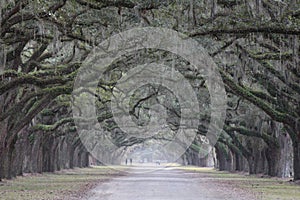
<point>167,184</point>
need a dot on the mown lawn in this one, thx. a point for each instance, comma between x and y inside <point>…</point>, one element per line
<point>264,188</point>
<point>74,184</point>
<point>66,184</point>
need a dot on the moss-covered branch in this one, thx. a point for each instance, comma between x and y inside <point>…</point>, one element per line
<point>241,91</point>
<point>247,154</point>
<point>267,65</point>
<point>230,145</point>
<point>24,120</point>
<point>263,60</point>
<point>244,131</point>
<point>53,91</point>
<point>248,30</point>
<point>55,126</point>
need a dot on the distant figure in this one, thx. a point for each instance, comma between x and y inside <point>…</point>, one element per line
<point>126,161</point>
<point>130,161</point>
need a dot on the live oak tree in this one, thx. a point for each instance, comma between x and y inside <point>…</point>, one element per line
<point>263,62</point>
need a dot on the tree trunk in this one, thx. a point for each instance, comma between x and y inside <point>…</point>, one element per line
<point>3,158</point>
<point>7,162</point>
<point>238,166</point>
<point>222,157</point>
<point>71,156</point>
<point>296,151</point>
<point>3,148</point>
<point>273,155</point>
<point>251,165</point>
<point>47,143</point>
<point>85,159</point>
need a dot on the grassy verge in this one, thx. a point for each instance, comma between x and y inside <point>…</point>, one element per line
<point>264,188</point>
<point>66,184</point>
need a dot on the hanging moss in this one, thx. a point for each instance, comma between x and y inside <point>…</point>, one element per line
<point>265,106</point>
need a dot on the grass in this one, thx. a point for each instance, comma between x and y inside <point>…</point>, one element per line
<point>264,188</point>
<point>54,186</point>
<point>72,184</point>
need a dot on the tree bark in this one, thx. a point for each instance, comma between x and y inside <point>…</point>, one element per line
<point>251,165</point>
<point>273,155</point>
<point>7,161</point>
<point>296,150</point>
<point>221,157</point>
